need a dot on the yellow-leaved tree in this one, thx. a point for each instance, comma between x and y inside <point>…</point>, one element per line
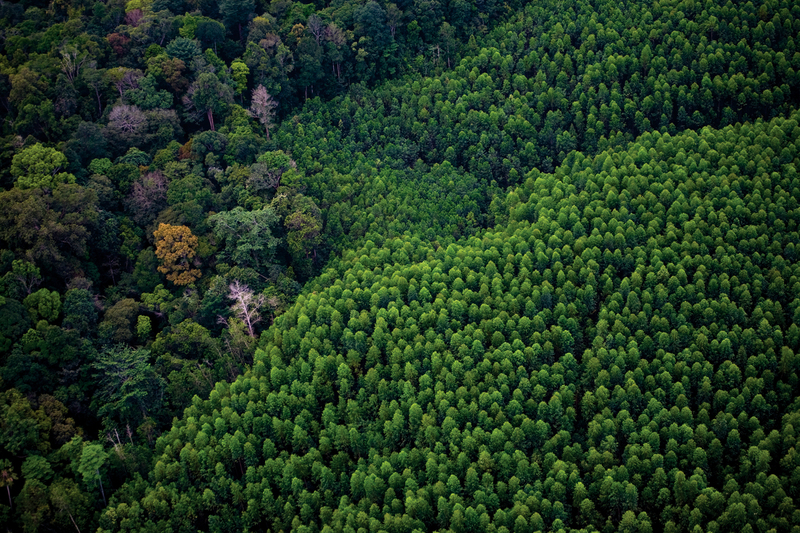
<point>176,247</point>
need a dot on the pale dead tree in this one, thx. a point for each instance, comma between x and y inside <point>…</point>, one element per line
<point>126,125</point>
<point>246,306</point>
<point>437,53</point>
<point>118,449</point>
<point>134,17</point>
<point>269,41</point>
<point>127,118</point>
<point>262,108</point>
<point>316,27</point>
<point>148,197</point>
<point>71,63</point>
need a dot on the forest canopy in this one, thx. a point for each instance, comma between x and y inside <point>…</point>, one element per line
<point>374,266</point>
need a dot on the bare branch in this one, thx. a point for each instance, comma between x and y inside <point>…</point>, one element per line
<point>246,305</point>
<point>127,118</point>
<point>316,27</point>
<point>71,64</point>
<point>262,108</point>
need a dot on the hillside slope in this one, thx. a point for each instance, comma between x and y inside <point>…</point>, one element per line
<point>620,353</point>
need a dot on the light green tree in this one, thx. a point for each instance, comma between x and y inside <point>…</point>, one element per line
<point>44,305</point>
<point>22,279</point>
<point>39,166</point>
<point>93,458</point>
<point>143,327</point>
<point>239,73</point>
<point>36,467</point>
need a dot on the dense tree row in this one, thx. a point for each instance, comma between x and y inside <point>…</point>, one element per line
<point>429,387</point>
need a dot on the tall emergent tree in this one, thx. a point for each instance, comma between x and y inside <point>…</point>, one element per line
<point>7,477</point>
<point>92,460</point>
<point>235,14</point>
<point>206,96</point>
<point>246,305</point>
<point>262,108</point>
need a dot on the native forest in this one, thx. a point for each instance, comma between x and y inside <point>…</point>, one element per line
<point>389,266</point>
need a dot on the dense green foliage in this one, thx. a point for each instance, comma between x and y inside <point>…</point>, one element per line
<point>439,387</point>
<point>556,80</point>
<point>469,266</point>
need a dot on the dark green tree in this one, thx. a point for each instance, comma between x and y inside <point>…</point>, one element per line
<point>206,96</point>
<point>129,389</point>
